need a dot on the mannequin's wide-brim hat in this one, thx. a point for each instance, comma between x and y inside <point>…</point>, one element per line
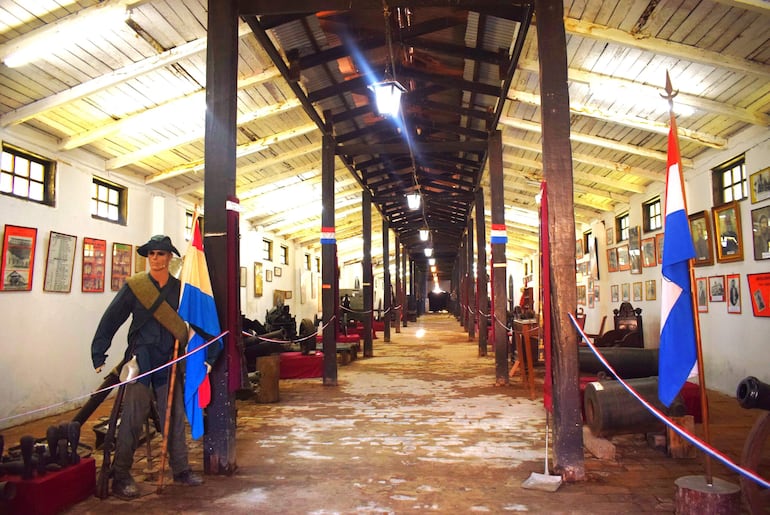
<point>157,242</point>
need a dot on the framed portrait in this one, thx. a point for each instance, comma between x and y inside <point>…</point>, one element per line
<point>94,261</point>
<point>579,250</point>
<point>623,261</point>
<point>268,276</point>
<point>277,271</point>
<point>650,289</point>
<point>759,184</point>
<point>581,295</point>
<point>727,232</point>
<point>637,289</point>
<point>625,292</point>
<point>596,292</point>
<point>243,277</point>
<point>610,236</point>
<point>700,229</point>
<point>701,289</point>
<point>716,288</point>
<point>257,279</point>
<point>635,250</point>
<point>659,247</point>
<point>760,228</point>
<point>759,291</point>
<point>18,258</point>
<point>733,293</point>
<point>60,262</point>
<point>140,262</point>
<point>121,264</point>
<point>614,293</point>
<point>649,258</point>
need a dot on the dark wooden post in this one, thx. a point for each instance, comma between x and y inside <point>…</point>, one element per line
<point>498,241</point>
<point>366,215</point>
<point>399,308</point>
<point>387,305</point>
<point>482,306</point>
<point>471,286</point>
<point>461,293</point>
<point>557,171</point>
<point>405,281</point>
<point>328,260</point>
<point>219,148</point>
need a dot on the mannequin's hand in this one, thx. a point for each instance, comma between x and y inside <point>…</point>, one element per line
<point>208,367</point>
<point>99,369</point>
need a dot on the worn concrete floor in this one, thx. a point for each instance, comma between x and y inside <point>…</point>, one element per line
<point>420,427</point>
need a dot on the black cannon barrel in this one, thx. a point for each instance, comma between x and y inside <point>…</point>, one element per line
<point>628,362</point>
<point>753,393</point>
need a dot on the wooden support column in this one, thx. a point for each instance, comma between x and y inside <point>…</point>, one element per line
<point>482,306</point>
<point>387,287</point>
<point>368,293</point>
<point>329,298</point>
<point>404,281</point>
<point>399,307</point>
<point>557,171</point>
<point>471,286</point>
<point>220,142</point>
<point>498,241</point>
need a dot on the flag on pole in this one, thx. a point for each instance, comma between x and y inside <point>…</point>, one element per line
<point>677,353</point>
<point>197,308</point>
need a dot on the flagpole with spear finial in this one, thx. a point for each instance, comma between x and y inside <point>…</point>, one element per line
<point>669,96</point>
<point>695,494</point>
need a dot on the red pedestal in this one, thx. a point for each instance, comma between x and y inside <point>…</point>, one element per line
<point>53,492</point>
<point>296,366</point>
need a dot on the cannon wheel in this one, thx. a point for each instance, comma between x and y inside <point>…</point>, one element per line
<point>756,457</point>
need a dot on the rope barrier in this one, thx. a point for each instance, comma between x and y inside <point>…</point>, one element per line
<point>102,390</point>
<point>697,442</point>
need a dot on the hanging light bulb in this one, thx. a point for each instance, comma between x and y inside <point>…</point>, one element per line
<point>424,233</point>
<point>387,96</point>
<point>431,261</point>
<point>428,251</point>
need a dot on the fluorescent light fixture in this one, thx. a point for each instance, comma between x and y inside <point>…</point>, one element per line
<point>387,95</point>
<point>428,251</point>
<point>66,32</point>
<point>424,234</point>
<point>413,200</point>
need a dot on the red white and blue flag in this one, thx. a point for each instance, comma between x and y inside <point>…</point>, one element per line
<point>197,308</point>
<point>677,354</point>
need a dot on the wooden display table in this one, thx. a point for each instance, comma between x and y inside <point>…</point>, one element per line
<point>522,330</point>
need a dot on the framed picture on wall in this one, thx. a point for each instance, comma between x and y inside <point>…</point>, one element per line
<point>614,293</point>
<point>650,289</point>
<point>759,184</point>
<point>659,247</point>
<point>243,277</point>
<point>727,229</point>
<point>610,236</point>
<point>257,279</point>
<point>700,229</point>
<point>637,289</point>
<point>18,257</point>
<point>702,296</point>
<point>121,264</point>
<point>60,262</point>
<point>759,291</point>
<point>623,262</point>
<point>635,250</point>
<point>760,228</point>
<point>268,276</point>
<point>625,292</point>
<point>648,253</point>
<point>733,293</point>
<point>717,288</point>
<point>94,261</point>
<point>579,250</point>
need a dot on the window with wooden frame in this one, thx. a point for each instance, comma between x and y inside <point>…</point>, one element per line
<point>267,250</point>
<point>621,227</point>
<point>284,258</point>
<point>652,217</point>
<point>27,176</point>
<point>307,262</point>
<point>188,225</point>
<point>317,264</point>
<point>109,201</point>
<point>728,181</point>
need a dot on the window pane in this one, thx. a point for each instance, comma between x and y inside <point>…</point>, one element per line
<point>6,182</point>
<point>103,212</point>
<point>103,193</point>
<point>113,197</point>
<point>21,166</point>
<point>7,162</point>
<point>36,172</point>
<point>113,213</point>
<point>36,191</point>
<point>21,187</point>
<point>94,207</point>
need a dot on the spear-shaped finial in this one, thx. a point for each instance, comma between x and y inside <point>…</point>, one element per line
<point>670,93</point>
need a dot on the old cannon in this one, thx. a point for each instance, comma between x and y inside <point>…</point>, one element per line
<point>753,393</point>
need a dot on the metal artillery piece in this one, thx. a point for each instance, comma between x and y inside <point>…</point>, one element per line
<point>754,394</point>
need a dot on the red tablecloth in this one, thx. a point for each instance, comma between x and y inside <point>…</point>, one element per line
<point>296,366</point>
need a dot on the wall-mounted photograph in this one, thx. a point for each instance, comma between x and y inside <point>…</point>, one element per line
<point>700,229</point>
<point>727,231</point>
<point>760,228</point>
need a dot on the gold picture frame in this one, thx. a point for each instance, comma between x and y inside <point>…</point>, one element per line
<point>727,233</point>
<point>258,288</point>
